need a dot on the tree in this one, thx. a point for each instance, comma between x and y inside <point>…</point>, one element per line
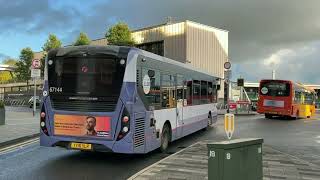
<point>6,76</point>
<point>51,43</point>
<point>24,65</point>
<point>83,39</point>
<point>120,35</point>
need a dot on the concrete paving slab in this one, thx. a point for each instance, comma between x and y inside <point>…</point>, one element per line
<point>192,163</point>
<point>20,125</point>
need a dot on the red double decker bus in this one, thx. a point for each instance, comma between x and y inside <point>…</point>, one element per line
<point>285,98</point>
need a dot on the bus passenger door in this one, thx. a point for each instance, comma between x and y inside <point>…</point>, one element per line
<point>179,107</point>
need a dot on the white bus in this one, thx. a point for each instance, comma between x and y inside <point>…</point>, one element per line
<point>122,99</point>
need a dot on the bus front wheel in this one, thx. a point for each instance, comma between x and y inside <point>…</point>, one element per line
<point>165,138</point>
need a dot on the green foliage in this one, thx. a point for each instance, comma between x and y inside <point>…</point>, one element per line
<point>120,35</point>
<point>83,39</point>
<point>24,64</point>
<point>51,43</point>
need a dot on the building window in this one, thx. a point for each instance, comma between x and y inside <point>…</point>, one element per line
<point>154,47</point>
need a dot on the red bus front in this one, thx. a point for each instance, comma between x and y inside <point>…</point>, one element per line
<point>275,98</point>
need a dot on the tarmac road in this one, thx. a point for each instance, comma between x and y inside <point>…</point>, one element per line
<point>300,138</point>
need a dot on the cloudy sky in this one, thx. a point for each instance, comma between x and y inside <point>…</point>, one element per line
<point>263,35</point>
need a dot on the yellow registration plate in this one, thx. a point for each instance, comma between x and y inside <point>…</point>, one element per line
<point>82,146</point>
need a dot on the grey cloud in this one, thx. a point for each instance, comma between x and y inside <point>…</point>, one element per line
<point>299,64</point>
<point>256,28</point>
<point>35,17</point>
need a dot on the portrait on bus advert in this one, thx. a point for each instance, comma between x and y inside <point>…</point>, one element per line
<point>76,125</point>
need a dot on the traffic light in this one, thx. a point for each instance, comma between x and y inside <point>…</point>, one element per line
<point>240,82</point>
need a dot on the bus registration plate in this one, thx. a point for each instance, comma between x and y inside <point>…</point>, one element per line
<point>82,146</point>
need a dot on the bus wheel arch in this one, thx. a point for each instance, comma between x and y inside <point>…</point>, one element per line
<point>166,136</point>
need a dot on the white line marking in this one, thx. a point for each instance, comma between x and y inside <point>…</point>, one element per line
<point>18,146</point>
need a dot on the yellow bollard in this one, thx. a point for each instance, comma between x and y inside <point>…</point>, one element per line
<point>229,125</point>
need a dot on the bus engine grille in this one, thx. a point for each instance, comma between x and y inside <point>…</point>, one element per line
<point>139,132</point>
<point>84,106</point>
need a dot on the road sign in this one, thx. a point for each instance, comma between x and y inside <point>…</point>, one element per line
<point>227,65</point>
<point>36,63</point>
<point>229,124</point>
<point>227,74</point>
<point>35,73</point>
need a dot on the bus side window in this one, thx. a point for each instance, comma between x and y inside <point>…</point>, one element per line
<point>196,98</point>
<point>210,92</point>
<point>153,97</point>
<point>188,96</point>
<point>180,89</point>
<point>168,95</point>
<point>204,92</point>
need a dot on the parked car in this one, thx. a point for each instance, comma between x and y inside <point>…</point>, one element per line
<point>38,101</point>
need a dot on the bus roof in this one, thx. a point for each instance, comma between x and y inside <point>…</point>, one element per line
<point>120,51</point>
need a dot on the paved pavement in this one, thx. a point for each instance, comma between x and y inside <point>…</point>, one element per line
<point>192,164</point>
<point>20,124</point>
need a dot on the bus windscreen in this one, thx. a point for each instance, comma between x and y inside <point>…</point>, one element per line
<point>275,88</point>
<point>85,76</point>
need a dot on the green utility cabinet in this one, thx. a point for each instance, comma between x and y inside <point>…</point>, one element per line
<point>238,159</point>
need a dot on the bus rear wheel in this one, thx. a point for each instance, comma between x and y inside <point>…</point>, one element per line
<point>165,138</point>
<point>268,116</point>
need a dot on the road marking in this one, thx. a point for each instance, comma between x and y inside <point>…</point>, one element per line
<point>318,137</point>
<point>15,147</point>
<point>311,120</point>
<point>22,124</point>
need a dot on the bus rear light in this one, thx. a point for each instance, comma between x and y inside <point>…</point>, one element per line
<point>125,124</point>
<point>42,124</point>
<point>125,119</point>
<point>43,121</point>
<point>125,129</point>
